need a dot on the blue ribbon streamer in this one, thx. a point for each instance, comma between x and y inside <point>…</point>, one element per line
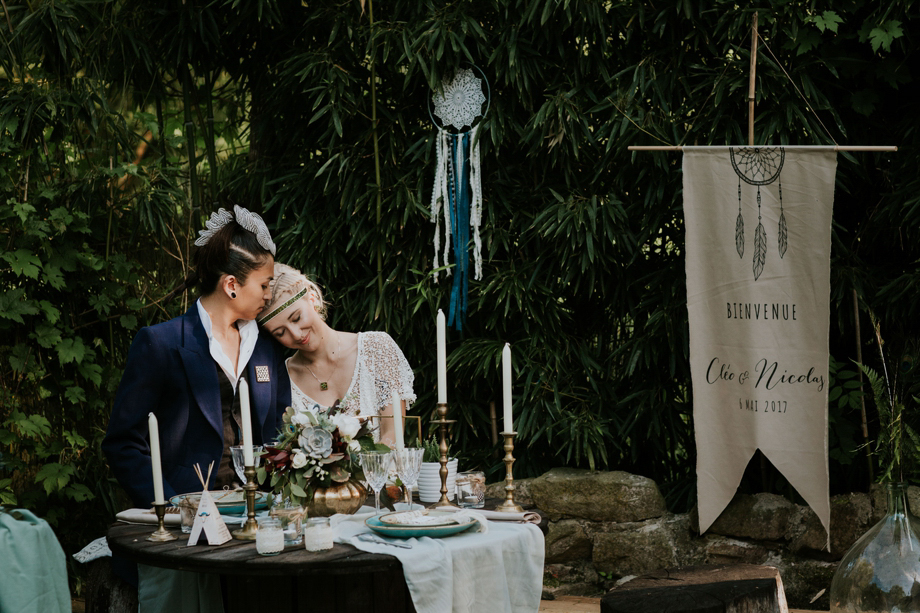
<point>459,209</point>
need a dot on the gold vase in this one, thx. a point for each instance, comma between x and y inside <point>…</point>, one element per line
<point>343,498</point>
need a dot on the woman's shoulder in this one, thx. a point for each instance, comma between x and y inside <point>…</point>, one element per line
<point>378,343</point>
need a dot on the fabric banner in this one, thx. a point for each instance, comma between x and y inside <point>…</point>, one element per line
<point>758,224</point>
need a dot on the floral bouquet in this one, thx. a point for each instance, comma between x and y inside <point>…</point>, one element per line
<point>316,449</point>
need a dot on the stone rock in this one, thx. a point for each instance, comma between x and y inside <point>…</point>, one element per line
<point>566,540</point>
<point>578,579</point>
<point>879,496</point>
<point>521,491</point>
<point>851,516</point>
<point>722,550</point>
<point>638,548</point>
<point>804,580</point>
<point>597,495</point>
<point>763,517</point>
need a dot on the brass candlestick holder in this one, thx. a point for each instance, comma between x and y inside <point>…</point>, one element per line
<point>161,534</point>
<point>509,506</point>
<point>443,423</point>
<point>250,527</point>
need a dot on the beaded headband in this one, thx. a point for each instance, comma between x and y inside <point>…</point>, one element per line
<point>247,219</point>
<point>289,302</point>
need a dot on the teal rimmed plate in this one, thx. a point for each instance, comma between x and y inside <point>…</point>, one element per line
<point>408,532</point>
<point>228,502</point>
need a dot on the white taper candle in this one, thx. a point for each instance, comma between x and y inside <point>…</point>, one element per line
<point>442,358</point>
<point>248,460</point>
<point>155,464</point>
<point>506,388</point>
<point>397,420</point>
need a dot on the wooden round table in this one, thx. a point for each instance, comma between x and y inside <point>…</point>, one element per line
<point>341,579</point>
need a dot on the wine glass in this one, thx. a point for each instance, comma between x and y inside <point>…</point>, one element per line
<point>376,466</point>
<point>237,452</point>
<point>408,466</point>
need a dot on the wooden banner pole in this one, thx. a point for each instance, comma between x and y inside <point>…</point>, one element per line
<point>752,80</point>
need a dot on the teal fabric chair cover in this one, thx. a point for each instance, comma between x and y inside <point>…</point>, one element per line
<point>33,569</point>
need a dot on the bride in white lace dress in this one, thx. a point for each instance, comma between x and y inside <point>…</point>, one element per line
<point>358,369</point>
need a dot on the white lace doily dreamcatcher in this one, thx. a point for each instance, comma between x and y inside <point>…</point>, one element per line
<point>459,108</point>
<point>759,166</point>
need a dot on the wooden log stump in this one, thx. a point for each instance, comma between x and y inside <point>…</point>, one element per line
<point>107,593</point>
<point>736,588</point>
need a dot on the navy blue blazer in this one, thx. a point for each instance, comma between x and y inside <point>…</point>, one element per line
<point>170,372</point>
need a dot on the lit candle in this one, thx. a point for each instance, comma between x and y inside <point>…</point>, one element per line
<point>247,423</point>
<point>397,420</point>
<point>506,387</point>
<point>442,358</point>
<point>155,459</point>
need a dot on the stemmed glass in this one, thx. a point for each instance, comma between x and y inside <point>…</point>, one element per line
<point>237,452</point>
<point>408,466</point>
<point>376,466</point>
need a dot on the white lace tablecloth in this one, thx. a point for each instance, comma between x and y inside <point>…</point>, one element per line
<point>500,571</point>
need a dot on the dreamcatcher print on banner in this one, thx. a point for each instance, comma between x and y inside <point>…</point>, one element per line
<point>759,166</point>
<point>457,194</point>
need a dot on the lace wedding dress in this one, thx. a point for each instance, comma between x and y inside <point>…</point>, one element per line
<point>379,366</point>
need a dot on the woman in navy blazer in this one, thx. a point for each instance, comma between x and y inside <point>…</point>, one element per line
<point>172,368</point>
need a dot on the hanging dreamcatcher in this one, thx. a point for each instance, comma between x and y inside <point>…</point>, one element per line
<point>759,166</point>
<point>458,111</point>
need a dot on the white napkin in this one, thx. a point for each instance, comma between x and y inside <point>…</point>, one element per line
<point>528,517</point>
<point>148,516</point>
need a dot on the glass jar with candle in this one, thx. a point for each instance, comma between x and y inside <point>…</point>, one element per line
<point>291,517</point>
<point>270,537</point>
<point>317,534</point>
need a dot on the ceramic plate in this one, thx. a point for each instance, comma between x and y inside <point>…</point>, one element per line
<point>229,502</point>
<point>407,532</point>
<point>418,519</point>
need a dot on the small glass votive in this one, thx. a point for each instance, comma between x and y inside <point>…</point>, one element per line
<point>317,534</point>
<point>471,489</point>
<point>291,517</point>
<point>269,537</point>
<point>188,508</point>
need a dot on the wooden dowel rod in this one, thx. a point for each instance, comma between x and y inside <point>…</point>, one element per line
<point>787,147</point>
<point>752,80</point>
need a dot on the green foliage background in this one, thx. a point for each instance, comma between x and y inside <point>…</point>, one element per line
<point>124,124</point>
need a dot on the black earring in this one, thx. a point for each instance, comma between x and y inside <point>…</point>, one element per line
<point>233,294</point>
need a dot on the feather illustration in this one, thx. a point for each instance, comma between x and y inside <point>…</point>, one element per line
<point>739,235</point>
<point>760,250</point>
<point>783,239</point>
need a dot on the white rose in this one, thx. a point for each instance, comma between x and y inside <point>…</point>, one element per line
<point>300,419</point>
<point>299,460</point>
<point>348,426</point>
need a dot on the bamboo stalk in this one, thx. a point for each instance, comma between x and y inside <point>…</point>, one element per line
<point>370,15</point>
<point>752,80</point>
<point>209,141</point>
<point>190,134</point>
<point>862,398</point>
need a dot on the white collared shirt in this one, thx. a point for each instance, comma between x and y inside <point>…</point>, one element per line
<point>249,334</point>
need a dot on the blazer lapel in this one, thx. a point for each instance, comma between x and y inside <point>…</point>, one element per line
<point>200,368</point>
<point>261,391</point>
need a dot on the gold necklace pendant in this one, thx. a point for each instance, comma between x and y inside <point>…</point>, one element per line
<point>323,385</point>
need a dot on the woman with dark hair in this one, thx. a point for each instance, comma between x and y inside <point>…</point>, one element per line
<point>187,370</point>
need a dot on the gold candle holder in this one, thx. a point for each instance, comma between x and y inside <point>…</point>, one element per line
<point>250,527</point>
<point>443,422</point>
<point>509,506</point>
<point>161,534</point>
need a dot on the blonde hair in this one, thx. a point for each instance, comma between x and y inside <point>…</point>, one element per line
<point>288,282</point>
